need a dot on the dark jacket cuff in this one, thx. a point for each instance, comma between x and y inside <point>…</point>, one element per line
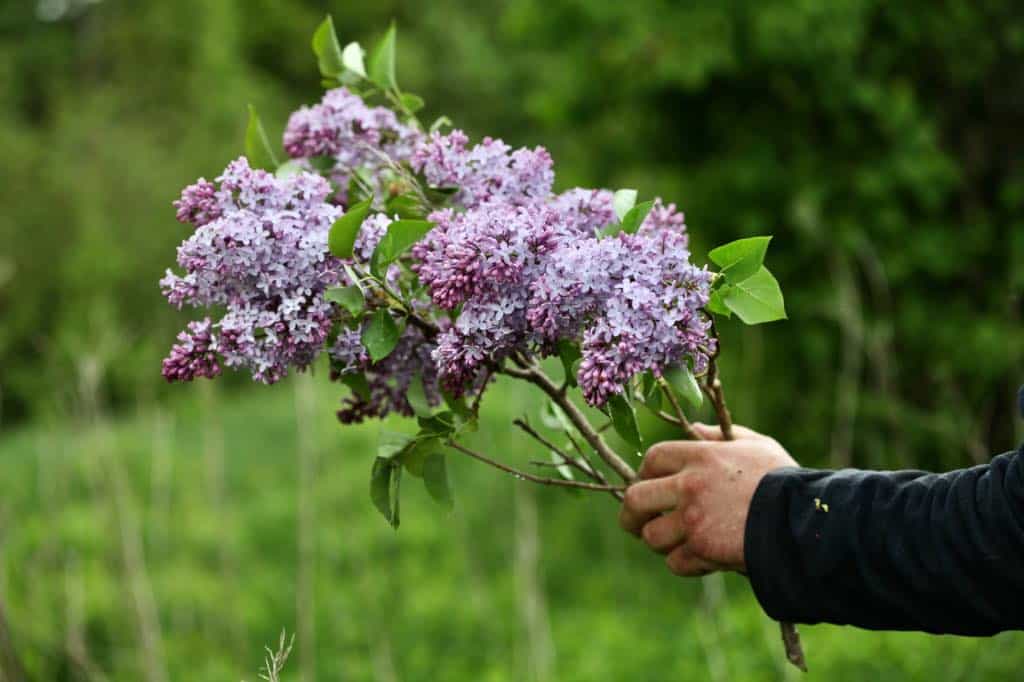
<point>768,547</point>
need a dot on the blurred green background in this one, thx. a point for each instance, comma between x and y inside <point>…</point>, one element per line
<point>161,533</point>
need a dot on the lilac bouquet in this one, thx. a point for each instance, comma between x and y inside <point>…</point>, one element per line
<point>423,265</point>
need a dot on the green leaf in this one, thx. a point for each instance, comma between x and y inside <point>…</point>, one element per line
<point>382,61</point>
<point>342,237</point>
<point>569,353</point>
<point>417,397</point>
<point>624,421</point>
<point>327,49</point>
<point>757,299</point>
<point>435,478</point>
<point>440,425</point>
<point>406,206</point>
<point>352,59</point>
<point>392,443</point>
<point>400,236</point>
<point>288,168</point>
<point>554,417</point>
<point>322,164</point>
<point>416,453</point>
<point>457,405</point>
<point>356,381</point>
<point>439,123</point>
<point>716,304</point>
<point>380,336</point>
<point>350,298</point>
<point>635,217</point>
<point>257,145</point>
<point>359,187</point>
<point>622,201</point>
<point>563,469</point>
<point>385,481</point>
<point>740,259</point>
<point>683,382</point>
<point>411,102</point>
<point>652,392</point>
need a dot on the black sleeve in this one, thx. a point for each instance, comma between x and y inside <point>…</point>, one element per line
<point>905,550</point>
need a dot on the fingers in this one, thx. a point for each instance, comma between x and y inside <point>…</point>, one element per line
<point>665,459</point>
<point>645,500</point>
<point>681,562</point>
<point>710,432</point>
<point>664,533</point>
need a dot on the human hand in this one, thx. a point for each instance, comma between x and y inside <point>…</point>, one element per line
<point>692,504</point>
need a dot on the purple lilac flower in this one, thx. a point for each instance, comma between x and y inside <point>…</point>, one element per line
<point>199,203</point>
<point>265,260</point>
<point>649,319</point>
<point>665,217</point>
<point>355,135</point>
<point>484,259</point>
<point>388,380</point>
<point>194,355</point>
<point>487,172</point>
<point>586,210</point>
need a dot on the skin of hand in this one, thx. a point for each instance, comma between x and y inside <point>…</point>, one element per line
<point>692,502</point>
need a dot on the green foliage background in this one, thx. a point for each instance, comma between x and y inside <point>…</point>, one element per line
<point>881,143</point>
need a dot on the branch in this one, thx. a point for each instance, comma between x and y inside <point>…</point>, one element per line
<point>536,377</point>
<point>582,464</point>
<point>535,479</point>
<point>680,418</point>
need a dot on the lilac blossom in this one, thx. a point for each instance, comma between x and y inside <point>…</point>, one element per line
<point>388,380</point>
<point>356,136</point>
<point>650,318</point>
<point>587,210</point>
<point>265,260</point>
<point>194,355</point>
<point>487,172</point>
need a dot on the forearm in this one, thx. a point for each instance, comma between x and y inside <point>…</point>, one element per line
<point>892,550</point>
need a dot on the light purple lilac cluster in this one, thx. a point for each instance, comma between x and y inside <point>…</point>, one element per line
<point>484,260</point>
<point>528,277</point>
<point>259,250</point>
<point>359,138</point>
<point>510,268</point>
<point>490,172</point>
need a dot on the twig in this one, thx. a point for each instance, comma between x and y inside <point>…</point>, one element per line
<point>535,376</point>
<point>582,464</point>
<point>530,477</point>
<point>680,416</point>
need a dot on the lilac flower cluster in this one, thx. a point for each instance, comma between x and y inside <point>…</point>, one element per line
<point>509,268</point>
<point>358,137</point>
<point>260,251</point>
<point>484,260</point>
<point>490,172</point>
<point>527,277</point>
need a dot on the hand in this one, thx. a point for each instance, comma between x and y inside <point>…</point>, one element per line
<point>692,505</point>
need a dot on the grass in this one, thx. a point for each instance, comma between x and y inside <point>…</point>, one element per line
<point>176,544</point>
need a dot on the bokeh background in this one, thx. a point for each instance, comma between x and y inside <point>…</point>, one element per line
<point>153,532</point>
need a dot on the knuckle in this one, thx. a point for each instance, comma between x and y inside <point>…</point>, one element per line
<point>690,485</point>
<point>692,517</point>
<point>677,563</point>
<point>650,533</point>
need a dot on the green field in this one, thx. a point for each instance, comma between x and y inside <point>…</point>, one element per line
<point>175,543</point>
